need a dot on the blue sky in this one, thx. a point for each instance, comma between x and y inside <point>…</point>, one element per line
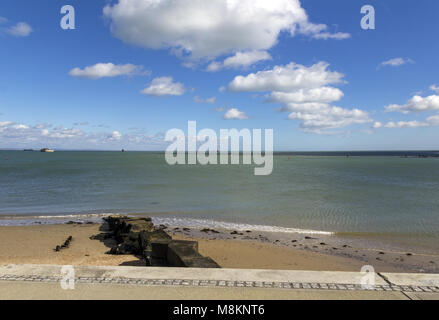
<point>306,69</point>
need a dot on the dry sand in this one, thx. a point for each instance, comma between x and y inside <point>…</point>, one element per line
<point>35,245</point>
<point>254,255</point>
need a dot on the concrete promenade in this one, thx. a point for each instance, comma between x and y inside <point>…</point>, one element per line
<point>44,282</point>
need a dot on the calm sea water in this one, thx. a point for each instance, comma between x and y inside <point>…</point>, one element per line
<point>368,193</point>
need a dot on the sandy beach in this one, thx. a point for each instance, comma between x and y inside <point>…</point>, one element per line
<point>230,249</point>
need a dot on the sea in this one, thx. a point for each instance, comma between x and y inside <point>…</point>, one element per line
<point>376,193</point>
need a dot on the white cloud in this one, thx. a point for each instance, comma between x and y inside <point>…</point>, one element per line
<point>240,59</point>
<point>405,124</point>
<point>5,123</point>
<point>416,104</point>
<point>245,59</point>
<point>115,135</point>
<point>335,36</point>
<point>20,127</point>
<point>21,29</point>
<point>163,86</point>
<point>432,121</point>
<point>15,135</point>
<point>106,70</point>
<point>322,118</point>
<point>321,94</point>
<point>396,62</point>
<point>3,20</point>
<point>377,125</point>
<point>304,93</point>
<point>208,100</point>
<point>63,133</point>
<point>287,78</point>
<point>207,29</point>
<point>434,88</point>
<point>214,66</point>
<point>235,114</point>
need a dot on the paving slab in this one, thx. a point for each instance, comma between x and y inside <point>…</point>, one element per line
<point>412,279</point>
<point>264,276</point>
<point>51,291</point>
<point>422,295</point>
<point>170,283</point>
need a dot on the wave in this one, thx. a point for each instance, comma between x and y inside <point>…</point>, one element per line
<point>206,223</point>
<point>55,219</point>
<point>157,220</point>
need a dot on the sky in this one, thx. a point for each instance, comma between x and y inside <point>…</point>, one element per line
<point>133,69</point>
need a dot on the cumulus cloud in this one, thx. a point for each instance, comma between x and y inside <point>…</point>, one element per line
<point>115,135</point>
<point>287,78</point>
<point>396,62</point>
<point>20,126</point>
<point>5,123</point>
<point>416,104</point>
<point>207,100</point>
<point>240,59</point>
<point>18,135</point>
<point>432,121</point>
<point>434,88</point>
<point>305,93</point>
<point>377,125</point>
<point>163,86</point>
<point>21,29</point>
<point>321,94</point>
<point>208,29</point>
<point>106,70</point>
<point>321,119</point>
<point>234,114</point>
<point>335,36</point>
<point>405,124</point>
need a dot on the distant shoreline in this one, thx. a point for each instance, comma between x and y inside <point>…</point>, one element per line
<point>359,153</point>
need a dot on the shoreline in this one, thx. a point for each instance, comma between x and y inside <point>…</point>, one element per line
<point>230,248</point>
<point>352,251</point>
<point>403,243</point>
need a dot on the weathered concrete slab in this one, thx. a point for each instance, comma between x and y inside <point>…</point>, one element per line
<point>422,295</point>
<point>185,254</point>
<point>138,236</point>
<point>412,279</point>
<point>193,273</point>
<point>49,291</point>
<point>40,282</point>
<point>160,249</point>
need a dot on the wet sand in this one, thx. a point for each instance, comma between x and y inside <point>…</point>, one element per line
<point>229,248</point>
<point>311,252</point>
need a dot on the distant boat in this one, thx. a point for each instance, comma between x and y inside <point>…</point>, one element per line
<point>28,150</point>
<point>47,150</point>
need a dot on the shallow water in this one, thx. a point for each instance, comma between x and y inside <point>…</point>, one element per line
<point>367,194</point>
